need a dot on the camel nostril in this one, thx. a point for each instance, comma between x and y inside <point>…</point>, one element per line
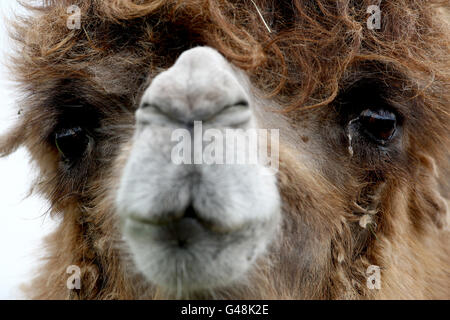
<point>242,103</point>
<point>149,105</point>
<point>152,107</point>
<point>146,105</point>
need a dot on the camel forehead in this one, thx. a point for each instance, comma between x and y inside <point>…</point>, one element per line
<point>114,74</point>
<point>120,56</point>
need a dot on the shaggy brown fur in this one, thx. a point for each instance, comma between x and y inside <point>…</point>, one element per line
<point>319,58</point>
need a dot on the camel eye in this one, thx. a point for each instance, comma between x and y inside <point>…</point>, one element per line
<point>71,143</point>
<point>379,125</point>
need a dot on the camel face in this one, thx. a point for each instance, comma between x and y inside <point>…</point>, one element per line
<point>195,226</point>
<point>122,119</point>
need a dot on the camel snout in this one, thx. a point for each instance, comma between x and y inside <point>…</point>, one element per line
<point>200,86</point>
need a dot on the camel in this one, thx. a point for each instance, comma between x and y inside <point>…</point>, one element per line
<point>357,207</point>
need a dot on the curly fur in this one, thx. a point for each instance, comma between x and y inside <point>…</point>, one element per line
<point>318,51</point>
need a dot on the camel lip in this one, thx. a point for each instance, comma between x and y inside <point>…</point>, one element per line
<point>180,233</point>
<point>191,216</point>
<point>185,231</point>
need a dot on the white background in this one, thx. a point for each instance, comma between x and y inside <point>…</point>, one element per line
<point>22,221</point>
